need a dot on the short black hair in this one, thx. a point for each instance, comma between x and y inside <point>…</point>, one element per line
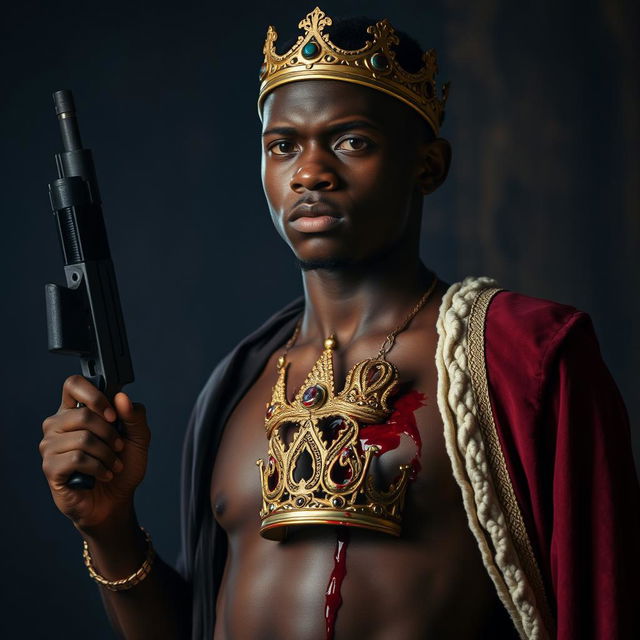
<point>351,33</point>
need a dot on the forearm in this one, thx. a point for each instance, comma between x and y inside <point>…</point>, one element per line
<point>159,606</point>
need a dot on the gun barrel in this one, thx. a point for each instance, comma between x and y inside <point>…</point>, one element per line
<point>66,112</point>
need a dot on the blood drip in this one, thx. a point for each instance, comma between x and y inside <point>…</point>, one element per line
<point>387,435</point>
<point>333,598</point>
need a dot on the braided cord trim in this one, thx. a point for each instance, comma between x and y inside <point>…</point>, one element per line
<point>495,456</point>
<point>470,459</point>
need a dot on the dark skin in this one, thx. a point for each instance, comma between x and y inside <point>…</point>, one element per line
<point>361,275</point>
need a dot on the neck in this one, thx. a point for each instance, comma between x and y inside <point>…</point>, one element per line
<point>355,300</point>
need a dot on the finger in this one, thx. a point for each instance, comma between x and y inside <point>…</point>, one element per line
<point>134,418</point>
<point>58,468</point>
<point>77,388</point>
<point>86,442</point>
<point>82,418</point>
<point>124,407</point>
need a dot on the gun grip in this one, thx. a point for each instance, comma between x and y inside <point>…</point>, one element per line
<point>78,481</point>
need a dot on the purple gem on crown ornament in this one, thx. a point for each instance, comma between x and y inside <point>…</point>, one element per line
<point>313,396</point>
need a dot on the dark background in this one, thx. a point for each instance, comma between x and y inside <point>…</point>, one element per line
<point>543,195</point>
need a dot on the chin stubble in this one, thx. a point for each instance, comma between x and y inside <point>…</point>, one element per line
<point>345,264</point>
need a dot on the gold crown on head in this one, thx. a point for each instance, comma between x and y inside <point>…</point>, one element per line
<point>318,471</point>
<point>374,65</point>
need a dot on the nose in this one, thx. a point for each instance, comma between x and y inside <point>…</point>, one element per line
<point>314,173</point>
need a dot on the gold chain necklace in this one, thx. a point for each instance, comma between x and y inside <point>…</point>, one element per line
<point>389,341</point>
<point>317,470</point>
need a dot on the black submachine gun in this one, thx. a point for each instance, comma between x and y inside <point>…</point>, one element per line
<point>85,317</point>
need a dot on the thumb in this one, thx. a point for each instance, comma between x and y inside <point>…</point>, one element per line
<point>133,416</point>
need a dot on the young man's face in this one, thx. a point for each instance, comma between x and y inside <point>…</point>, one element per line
<point>341,167</point>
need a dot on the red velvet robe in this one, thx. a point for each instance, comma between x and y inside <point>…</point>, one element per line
<point>565,435</point>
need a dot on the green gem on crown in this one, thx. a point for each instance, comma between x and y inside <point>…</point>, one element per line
<point>310,50</point>
<point>379,61</point>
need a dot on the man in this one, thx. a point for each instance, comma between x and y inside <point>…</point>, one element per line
<point>389,395</point>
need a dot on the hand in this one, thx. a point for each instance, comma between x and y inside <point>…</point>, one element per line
<point>82,439</point>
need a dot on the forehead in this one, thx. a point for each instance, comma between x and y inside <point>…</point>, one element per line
<point>309,101</point>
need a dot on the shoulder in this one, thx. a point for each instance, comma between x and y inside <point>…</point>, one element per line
<point>231,375</point>
<point>535,348</point>
<point>516,324</point>
<point>510,321</point>
<point>523,327</point>
<point>541,342</point>
<point>535,320</point>
<point>519,338</point>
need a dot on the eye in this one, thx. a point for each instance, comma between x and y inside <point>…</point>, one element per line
<point>354,143</point>
<point>281,148</point>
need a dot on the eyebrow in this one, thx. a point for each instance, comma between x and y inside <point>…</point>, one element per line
<point>336,128</point>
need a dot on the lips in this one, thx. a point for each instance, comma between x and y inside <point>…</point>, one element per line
<point>313,210</point>
<point>314,217</point>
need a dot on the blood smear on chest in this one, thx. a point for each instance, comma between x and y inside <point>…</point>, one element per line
<point>333,597</point>
<point>386,436</point>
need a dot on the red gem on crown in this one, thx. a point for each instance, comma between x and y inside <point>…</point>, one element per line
<point>313,396</point>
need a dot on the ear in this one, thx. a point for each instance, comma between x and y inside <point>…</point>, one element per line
<point>435,160</point>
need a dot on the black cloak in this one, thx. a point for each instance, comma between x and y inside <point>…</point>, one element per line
<point>204,546</point>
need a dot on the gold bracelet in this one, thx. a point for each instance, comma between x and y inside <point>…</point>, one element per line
<point>124,583</point>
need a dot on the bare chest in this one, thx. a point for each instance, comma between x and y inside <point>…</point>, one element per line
<point>433,559</point>
<point>412,435</point>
